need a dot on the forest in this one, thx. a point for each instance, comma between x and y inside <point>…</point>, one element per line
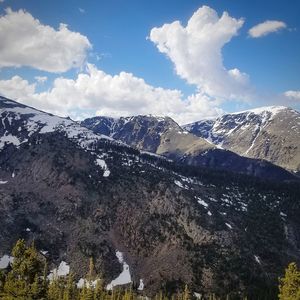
<point>27,278</point>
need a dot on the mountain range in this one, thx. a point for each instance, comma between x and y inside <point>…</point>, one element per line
<point>270,133</point>
<point>179,207</point>
<point>193,144</point>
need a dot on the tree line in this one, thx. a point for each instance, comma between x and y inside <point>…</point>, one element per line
<point>27,279</point>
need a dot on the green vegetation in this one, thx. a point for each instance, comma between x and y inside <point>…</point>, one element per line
<point>26,279</point>
<point>289,287</point>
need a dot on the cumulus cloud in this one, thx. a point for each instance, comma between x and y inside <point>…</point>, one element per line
<point>266,28</point>
<point>95,92</point>
<point>27,42</point>
<point>293,95</point>
<point>196,52</point>
<point>16,88</point>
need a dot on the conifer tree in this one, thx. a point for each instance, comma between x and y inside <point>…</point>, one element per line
<point>36,288</point>
<point>98,293</point>
<point>186,293</point>
<point>23,279</point>
<point>289,286</point>
<point>70,288</point>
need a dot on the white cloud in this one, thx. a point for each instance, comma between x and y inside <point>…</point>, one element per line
<point>196,52</point>
<point>81,10</point>
<point>41,79</point>
<point>27,42</point>
<point>16,88</point>
<point>293,95</point>
<point>266,28</point>
<point>96,92</point>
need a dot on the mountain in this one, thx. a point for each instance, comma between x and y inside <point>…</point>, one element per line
<point>20,122</point>
<point>270,133</point>
<point>80,195</point>
<point>163,136</point>
<point>160,135</point>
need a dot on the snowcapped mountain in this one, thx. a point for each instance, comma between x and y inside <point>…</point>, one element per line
<point>270,133</point>
<point>163,136</point>
<point>79,194</point>
<point>19,122</point>
<point>160,135</point>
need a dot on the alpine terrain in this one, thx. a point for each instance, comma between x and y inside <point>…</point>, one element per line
<point>163,136</point>
<point>270,133</point>
<point>133,201</point>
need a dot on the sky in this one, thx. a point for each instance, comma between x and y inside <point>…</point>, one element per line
<point>189,60</point>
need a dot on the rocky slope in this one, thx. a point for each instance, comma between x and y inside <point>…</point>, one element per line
<point>270,133</point>
<point>160,135</point>
<point>163,136</point>
<point>78,194</point>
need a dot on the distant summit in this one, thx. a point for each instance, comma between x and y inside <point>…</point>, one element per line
<point>271,133</point>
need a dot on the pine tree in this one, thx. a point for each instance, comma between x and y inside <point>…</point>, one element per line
<point>23,279</point>
<point>91,269</point>
<point>186,293</point>
<point>70,288</point>
<point>45,278</point>
<point>98,293</point>
<point>289,286</point>
<point>56,289</point>
<point>36,288</point>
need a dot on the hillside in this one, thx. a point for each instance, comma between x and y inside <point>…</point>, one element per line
<point>80,195</point>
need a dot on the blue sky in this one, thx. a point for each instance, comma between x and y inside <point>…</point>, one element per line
<point>118,31</point>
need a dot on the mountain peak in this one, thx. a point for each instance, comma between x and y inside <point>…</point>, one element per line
<point>259,110</point>
<point>20,122</point>
<point>269,133</point>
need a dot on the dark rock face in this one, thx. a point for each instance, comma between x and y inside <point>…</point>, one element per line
<point>83,195</point>
<point>270,133</point>
<point>142,132</point>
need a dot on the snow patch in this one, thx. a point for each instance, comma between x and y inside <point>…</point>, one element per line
<point>141,286</point>
<point>5,260</point>
<point>103,166</point>
<point>62,270</point>
<point>83,282</point>
<point>272,109</point>
<point>80,283</point>
<point>124,277</point>
<point>178,183</point>
<point>228,225</point>
<point>9,139</point>
<point>202,202</point>
<point>257,259</point>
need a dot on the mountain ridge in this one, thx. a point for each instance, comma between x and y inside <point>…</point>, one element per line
<point>269,133</point>
<point>165,137</point>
